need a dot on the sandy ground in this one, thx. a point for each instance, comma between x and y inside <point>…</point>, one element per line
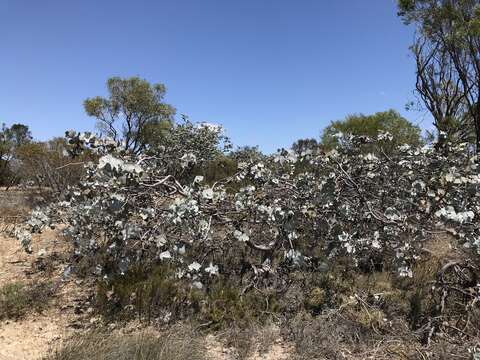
<point>31,337</point>
<point>216,351</point>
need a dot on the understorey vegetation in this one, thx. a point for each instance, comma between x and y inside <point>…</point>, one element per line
<point>17,299</point>
<point>178,343</point>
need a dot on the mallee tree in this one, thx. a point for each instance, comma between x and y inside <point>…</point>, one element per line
<point>133,113</point>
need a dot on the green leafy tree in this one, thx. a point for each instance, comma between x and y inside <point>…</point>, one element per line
<point>133,113</point>
<point>302,145</point>
<point>19,134</point>
<point>391,121</point>
<point>247,154</point>
<point>217,169</point>
<point>447,51</point>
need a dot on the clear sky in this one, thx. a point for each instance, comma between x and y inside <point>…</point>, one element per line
<point>270,71</point>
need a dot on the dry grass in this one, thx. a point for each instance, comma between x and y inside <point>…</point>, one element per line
<point>18,202</point>
<point>241,341</point>
<point>178,343</point>
<point>250,342</point>
<point>13,203</point>
<point>345,335</point>
<point>18,299</point>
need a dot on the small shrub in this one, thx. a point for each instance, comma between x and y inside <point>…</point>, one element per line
<point>141,292</point>
<point>316,299</point>
<point>17,299</point>
<point>337,336</point>
<point>225,306</point>
<point>149,293</point>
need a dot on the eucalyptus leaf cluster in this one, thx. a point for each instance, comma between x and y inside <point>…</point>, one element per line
<point>269,218</point>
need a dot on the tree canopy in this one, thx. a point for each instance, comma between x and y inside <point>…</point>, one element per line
<point>447,52</point>
<point>302,145</point>
<point>390,121</point>
<point>133,111</point>
<point>11,138</point>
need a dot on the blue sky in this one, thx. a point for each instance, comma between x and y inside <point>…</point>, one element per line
<point>270,71</point>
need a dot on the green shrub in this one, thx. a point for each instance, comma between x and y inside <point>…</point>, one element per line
<point>147,293</point>
<point>17,299</point>
<point>141,292</point>
<point>225,305</point>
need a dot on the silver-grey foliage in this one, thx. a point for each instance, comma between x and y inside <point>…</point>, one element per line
<point>361,206</point>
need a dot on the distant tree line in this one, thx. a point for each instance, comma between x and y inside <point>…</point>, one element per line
<point>137,120</point>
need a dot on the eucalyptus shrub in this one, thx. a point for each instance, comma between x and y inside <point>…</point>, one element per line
<point>348,203</point>
<point>373,210</point>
